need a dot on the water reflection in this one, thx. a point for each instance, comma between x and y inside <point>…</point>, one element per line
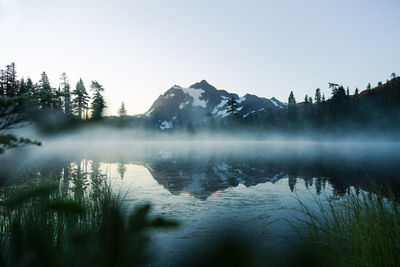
<point>215,189</point>
<point>201,171</point>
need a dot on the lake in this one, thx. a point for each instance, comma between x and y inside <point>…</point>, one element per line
<point>217,188</point>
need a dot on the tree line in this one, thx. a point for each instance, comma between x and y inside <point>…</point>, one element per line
<point>31,98</point>
<point>23,100</point>
<point>372,108</point>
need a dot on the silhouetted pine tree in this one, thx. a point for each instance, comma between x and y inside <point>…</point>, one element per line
<point>22,89</point>
<point>2,83</point>
<point>81,99</point>
<point>11,113</point>
<point>66,90</point>
<point>292,108</point>
<point>10,80</point>
<point>317,96</point>
<point>232,105</point>
<point>122,111</point>
<point>44,93</point>
<point>98,104</point>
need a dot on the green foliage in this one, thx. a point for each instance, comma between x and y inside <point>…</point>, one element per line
<point>8,81</point>
<point>41,226</point>
<point>359,230</point>
<point>317,96</point>
<point>8,141</point>
<point>48,97</point>
<point>292,108</point>
<point>122,111</point>
<point>81,99</point>
<point>65,88</point>
<point>98,104</point>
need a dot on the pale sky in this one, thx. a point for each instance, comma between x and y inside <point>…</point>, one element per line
<point>139,49</point>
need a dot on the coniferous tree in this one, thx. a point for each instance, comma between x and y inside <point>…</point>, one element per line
<point>98,104</point>
<point>57,100</point>
<point>10,110</point>
<point>81,99</point>
<point>31,100</point>
<point>369,86</point>
<point>317,96</point>
<point>10,80</point>
<point>44,92</point>
<point>66,90</point>
<point>292,108</point>
<point>393,75</point>
<point>10,117</point>
<point>307,107</point>
<point>29,85</point>
<point>338,103</point>
<point>122,111</point>
<point>22,87</point>
<point>337,91</point>
<point>232,105</point>
<point>2,83</point>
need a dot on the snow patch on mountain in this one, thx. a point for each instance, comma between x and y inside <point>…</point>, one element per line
<point>166,125</point>
<point>247,114</point>
<point>275,103</point>
<point>220,105</point>
<point>182,105</point>
<point>148,113</point>
<point>196,95</point>
<point>223,113</point>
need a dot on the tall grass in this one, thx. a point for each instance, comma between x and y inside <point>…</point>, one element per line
<point>40,225</point>
<point>361,229</point>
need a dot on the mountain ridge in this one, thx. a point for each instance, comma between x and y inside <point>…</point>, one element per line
<point>201,102</point>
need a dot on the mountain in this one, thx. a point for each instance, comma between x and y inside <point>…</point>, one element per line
<point>201,178</point>
<point>201,102</point>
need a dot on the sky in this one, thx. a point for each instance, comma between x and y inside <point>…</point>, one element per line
<point>139,49</point>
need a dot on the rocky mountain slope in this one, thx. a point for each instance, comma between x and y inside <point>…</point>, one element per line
<point>202,102</point>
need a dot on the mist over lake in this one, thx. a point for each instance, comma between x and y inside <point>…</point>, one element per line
<point>216,187</point>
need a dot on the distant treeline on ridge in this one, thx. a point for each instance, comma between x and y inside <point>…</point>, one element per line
<point>373,108</point>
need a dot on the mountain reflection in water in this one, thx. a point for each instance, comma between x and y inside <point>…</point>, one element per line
<point>204,169</point>
<point>214,188</point>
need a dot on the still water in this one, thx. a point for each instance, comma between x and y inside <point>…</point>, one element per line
<point>219,188</point>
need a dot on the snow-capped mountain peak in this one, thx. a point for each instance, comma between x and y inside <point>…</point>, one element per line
<point>201,101</point>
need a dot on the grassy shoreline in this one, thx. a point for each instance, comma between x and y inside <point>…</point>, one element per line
<point>42,224</point>
<point>361,229</point>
